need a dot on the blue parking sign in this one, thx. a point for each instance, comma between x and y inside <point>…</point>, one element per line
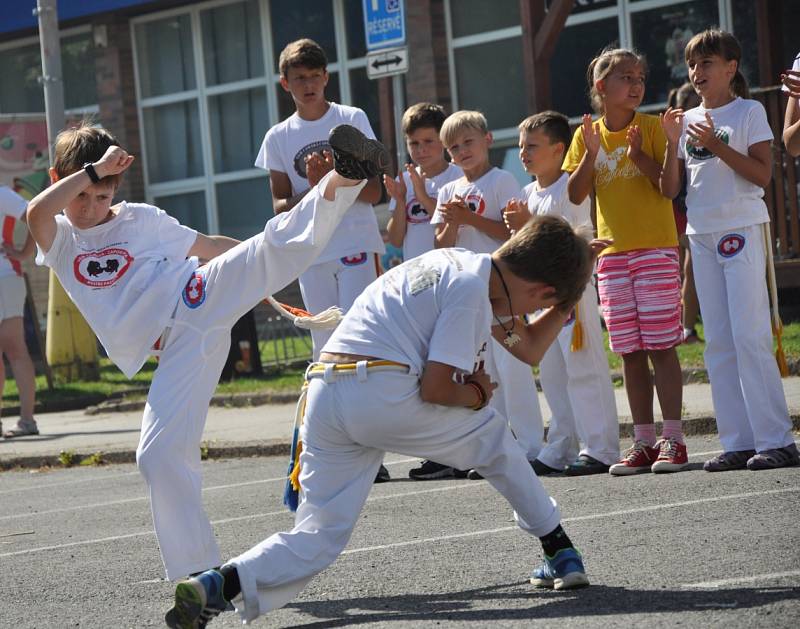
<point>384,23</point>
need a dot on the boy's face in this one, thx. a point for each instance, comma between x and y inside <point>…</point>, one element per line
<point>425,147</point>
<point>306,85</point>
<point>92,206</point>
<point>470,148</point>
<point>538,153</point>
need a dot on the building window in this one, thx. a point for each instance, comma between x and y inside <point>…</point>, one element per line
<point>21,71</point>
<point>208,90</point>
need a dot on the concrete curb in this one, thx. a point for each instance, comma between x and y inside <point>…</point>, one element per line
<point>692,426</point>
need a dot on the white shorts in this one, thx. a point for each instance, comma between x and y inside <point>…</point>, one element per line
<point>12,297</point>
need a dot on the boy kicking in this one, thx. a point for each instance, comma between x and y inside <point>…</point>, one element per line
<point>133,272</point>
<point>402,373</point>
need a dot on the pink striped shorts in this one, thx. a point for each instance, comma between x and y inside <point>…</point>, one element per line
<point>640,296</point>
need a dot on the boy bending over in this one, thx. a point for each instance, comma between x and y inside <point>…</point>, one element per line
<point>402,373</point>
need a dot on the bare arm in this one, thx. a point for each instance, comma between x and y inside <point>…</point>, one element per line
<point>209,247</point>
<point>44,207</point>
<point>791,127</point>
<point>398,225</point>
<point>672,171</point>
<point>281,187</point>
<point>535,337</point>
<point>649,167</point>
<point>581,180</point>
<point>446,235</point>
<point>437,386</point>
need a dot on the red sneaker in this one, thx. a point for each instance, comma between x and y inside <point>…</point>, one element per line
<point>637,460</point>
<point>672,456</point>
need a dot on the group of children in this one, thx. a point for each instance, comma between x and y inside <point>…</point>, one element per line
<point>433,358</point>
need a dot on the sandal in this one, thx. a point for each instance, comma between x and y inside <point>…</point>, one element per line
<point>22,428</point>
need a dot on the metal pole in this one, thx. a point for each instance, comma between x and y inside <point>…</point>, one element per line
<point>398,97</point>
<point>52,80</point>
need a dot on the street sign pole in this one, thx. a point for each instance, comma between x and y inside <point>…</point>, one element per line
<point>385,27</point>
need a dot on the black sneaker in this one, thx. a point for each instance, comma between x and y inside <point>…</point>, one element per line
<point>383,475</point>
<point>355,156</point>
<point>430,470</point>
<point>585,465</point>
<point>542,469</point>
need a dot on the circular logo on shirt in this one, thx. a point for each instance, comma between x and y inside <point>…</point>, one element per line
<point>475,203</point>
<point>730,245</point>
<point>416,212</point>
<point>701,153</point>
<point>101,269</point>
<point>299,160</point>
<point>194,293</point>
<point>355,260</point>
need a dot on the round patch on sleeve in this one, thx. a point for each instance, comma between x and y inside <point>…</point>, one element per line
<point>194,294</point>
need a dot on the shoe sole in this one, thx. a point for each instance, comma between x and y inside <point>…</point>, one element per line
<point>571,581</point>
<point>664,468</point>
<point>585,471</point>
<point>629,471</point>
<point>188,606</point>
<point>349,140</point>
<point>763,467</point>
<point>446,473</point>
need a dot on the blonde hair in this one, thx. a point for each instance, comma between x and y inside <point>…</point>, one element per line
<point>721,43</point>
<point>80,144</point>
<point>459,122</point>
<point>603,65</point>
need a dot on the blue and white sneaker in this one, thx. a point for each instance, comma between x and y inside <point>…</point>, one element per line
<point>197,600</point>
<point>562,571</point>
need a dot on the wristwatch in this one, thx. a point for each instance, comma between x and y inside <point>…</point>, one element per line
<point>89,168</point>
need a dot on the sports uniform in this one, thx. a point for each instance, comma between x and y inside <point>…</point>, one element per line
<point>576,384</point>
<point>12,284</point>
<point>420,232</point>
<point>726,215</point>
<point>432,308</point>
<point>349,261</point>
<point>515,397</point>
<point>132,281</point>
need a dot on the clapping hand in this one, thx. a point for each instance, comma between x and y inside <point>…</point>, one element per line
<point>516,214</point>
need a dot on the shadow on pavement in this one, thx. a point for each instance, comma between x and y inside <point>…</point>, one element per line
<point>597,600</point>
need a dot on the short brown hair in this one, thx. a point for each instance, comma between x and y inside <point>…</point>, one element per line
<point>553,124</point>
<point>547,249</point>
<point>80,144</point>
<point>423,116</point>
<point>714,41</point>
<point>460,121</point>
<point>302,52</point>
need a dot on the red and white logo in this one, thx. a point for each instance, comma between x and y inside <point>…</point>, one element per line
<point>475,203</point>
<point>416,212</point>
<point>355,260</point>
<point>194,293</point>
<point>730,244</point>
<point>101,269</point>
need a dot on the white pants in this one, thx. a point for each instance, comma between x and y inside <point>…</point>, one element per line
<point>196,347</point>
<point>336,283</point>
<point>749,403</point>
<point>579,392</point>
<point>515,397</point>
<point>349,424</point>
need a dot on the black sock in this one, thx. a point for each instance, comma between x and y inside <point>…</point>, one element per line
<point>230,587</point>
<point>554,541</point>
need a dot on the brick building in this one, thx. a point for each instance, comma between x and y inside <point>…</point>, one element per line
<point>191,87</point>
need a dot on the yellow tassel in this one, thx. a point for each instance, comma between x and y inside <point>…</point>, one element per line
<point>576,344</point>
<point>294,477</point>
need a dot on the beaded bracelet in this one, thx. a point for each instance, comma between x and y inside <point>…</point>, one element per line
<point>483,399</point>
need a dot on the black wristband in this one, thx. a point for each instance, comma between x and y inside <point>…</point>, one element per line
<point>89,168</point>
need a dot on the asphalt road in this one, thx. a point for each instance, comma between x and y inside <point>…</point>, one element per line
<point>690,549</point>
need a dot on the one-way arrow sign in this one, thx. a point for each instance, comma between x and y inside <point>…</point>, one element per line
<point>387,63</point>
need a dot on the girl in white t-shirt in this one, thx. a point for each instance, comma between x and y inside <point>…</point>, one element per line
<point>791,122</point>
<point>724,145</point>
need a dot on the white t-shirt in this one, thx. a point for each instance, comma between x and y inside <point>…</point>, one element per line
<point>432,308</point>
<point>12,208</point>
<point>486,196</point>
<point>419,231</point>
<point>284,149</point>
<point>125,276</point>
<point>554,201</point>
<point>795,66</point>
<point>716,197</point>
